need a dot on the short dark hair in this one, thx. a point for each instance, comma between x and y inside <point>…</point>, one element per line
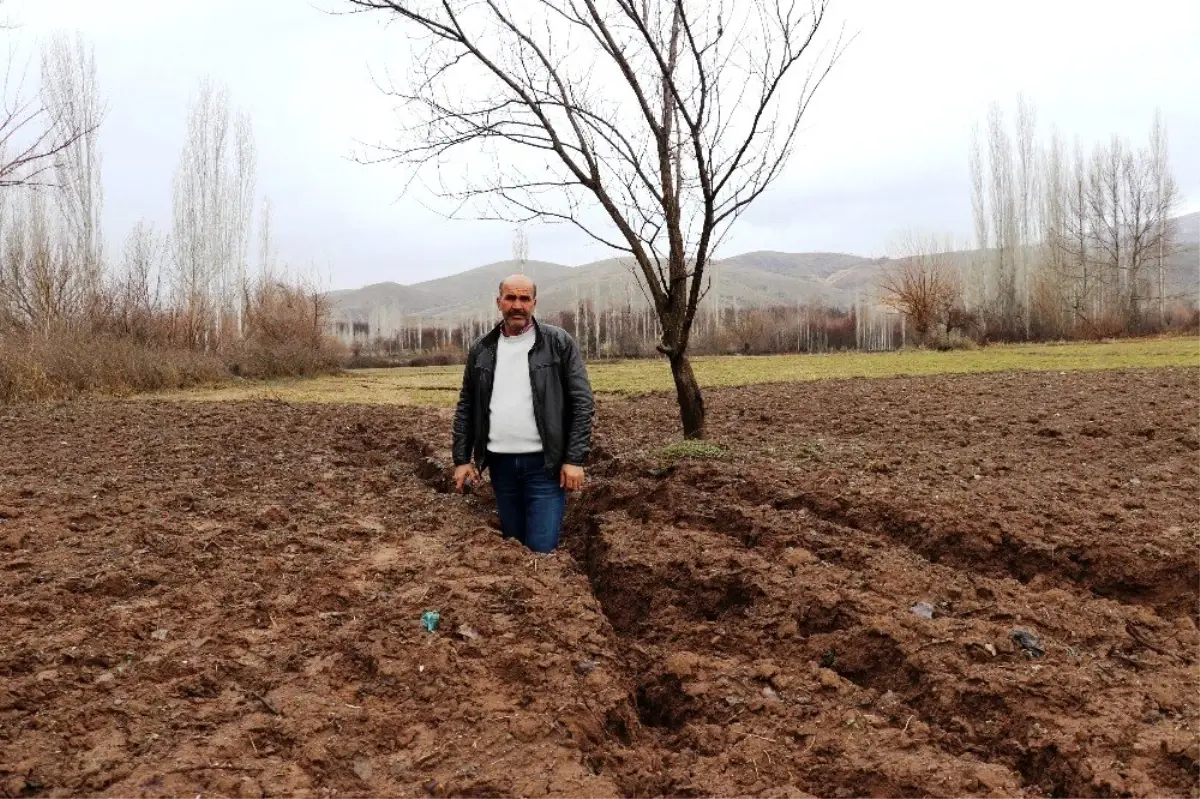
<point>500,291</point>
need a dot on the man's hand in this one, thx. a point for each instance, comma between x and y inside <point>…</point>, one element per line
<point>572,477</point>
<point>464,473</point>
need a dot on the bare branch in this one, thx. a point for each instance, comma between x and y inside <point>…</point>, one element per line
<point>650,125</point>
<point>34,132</point>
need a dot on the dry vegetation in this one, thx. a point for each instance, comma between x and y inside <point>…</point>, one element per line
<point>174,310</point>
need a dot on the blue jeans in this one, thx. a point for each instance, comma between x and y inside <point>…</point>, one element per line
<point>529,499</point>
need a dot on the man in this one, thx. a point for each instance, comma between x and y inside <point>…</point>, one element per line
<point>524,411</point>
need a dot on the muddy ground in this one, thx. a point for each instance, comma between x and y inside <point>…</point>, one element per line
<point>225,599</point>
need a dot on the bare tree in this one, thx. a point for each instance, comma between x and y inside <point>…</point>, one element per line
<point>1005,230</point>
<point>50,237</point>
<point>1140,219</point>
<point>267,256</point>
<point>1076,257</point>
<point>976,291</point>
<point>520,248</point>
<point>138,286</point>
<point>1167,196</point>
<point>1104,226</point>
<point>650,125</point>
<point>39,291</point>
<point>213,206</point>
<point>72,95</point>
<point>1025,190</point>
<point>33,133</point>
<point>241,215</point>
<point>923,283</point>
<point>1053,204</point>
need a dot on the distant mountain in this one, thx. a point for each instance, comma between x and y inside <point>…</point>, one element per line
<point>753,279</point>
<point>749,280</point>
<point>452,296</point>
<point>1187,228</point>
<point>1183,271</point>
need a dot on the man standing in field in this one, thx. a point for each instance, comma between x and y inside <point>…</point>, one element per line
<point>524,411</point>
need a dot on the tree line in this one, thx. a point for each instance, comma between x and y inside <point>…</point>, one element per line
<point>1065,246</point>
<point>176,306</point>
<point>1069,243</point>
<point>631,332</point>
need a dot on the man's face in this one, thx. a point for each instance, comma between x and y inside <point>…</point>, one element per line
<point>516,303</point>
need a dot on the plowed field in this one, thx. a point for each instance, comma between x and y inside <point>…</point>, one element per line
<point>941,586</point>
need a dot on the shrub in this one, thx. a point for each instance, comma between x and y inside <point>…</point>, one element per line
<point>441,357</point>
<point>67,363</point>
<point>953,342</point>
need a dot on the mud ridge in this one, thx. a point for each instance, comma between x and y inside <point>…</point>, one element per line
<point>979,722</point>
<point>1168,590</point>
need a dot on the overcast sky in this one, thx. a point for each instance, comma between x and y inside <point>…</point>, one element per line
<point>884,147</point>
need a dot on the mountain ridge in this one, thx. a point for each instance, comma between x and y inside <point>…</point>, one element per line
<point>752,279</point>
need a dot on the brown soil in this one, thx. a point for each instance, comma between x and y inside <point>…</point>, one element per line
<point>226,599</point>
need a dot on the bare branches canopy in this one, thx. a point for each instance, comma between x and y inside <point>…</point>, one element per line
<point>38,129</point>
<point>924,284</point>
<point>1069,242</point>
<point>50,242</point>
<point>650,125</point>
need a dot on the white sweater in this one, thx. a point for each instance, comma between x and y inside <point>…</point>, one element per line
<point>512,426</point>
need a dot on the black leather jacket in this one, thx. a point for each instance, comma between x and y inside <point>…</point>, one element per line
<point>562,399</point>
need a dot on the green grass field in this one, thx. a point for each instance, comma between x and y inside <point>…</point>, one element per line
<point>438,386</point>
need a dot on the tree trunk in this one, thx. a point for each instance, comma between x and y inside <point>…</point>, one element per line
<point>691,403</point>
